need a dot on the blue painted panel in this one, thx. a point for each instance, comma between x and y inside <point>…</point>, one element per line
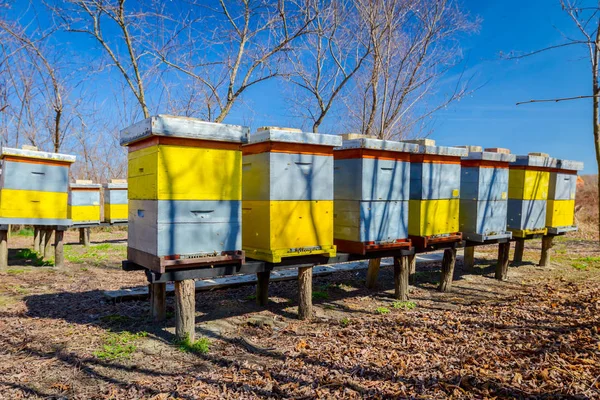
<point>484,183</point>
<point>163,227</point>
<point>36,221</point>
<point>39,177</point>
<point>284,176</point>
<point>433,181</point>
<point>366,221</point>
<point>115,196</point>
<point>84,198</point>
<point>347,180</point>
<point>483,217</point>
<point>562,186</point>
<point>526,214</point>
<point>371,179</point>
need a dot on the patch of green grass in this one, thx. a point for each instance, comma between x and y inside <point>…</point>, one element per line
<point>119,345</point>
<point>20,289</point>
<point>320,295</point>
<point>200,346</point>
<point>382,310</point>
<point>580,266</point>
<point>406,305</point>
<point>329,307</point>
<point>103,246</point>
<point>25,232</point>
<point>84,269</point>
<point>15,271</point>
<point>589,259</point>
<point>6,301</point>
<point>114,318</point>
<point>35,258</point>
<point>251,297</point>
<point>345,322</point>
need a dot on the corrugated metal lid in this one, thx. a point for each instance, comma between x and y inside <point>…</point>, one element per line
<point>40,155</point>
<point>293,136</point>
<point>377,144</point>
<point>490,156</point>
<point>84,185</point>
<point>183,127</point>
<point>570,165</point>
<point>535,161</point>
<point>440,150</point>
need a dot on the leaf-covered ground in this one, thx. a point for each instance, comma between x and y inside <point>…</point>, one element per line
<point>535,336</point>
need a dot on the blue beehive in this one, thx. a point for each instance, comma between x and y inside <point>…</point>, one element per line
<point>371,191</point>
<point>484,194</point>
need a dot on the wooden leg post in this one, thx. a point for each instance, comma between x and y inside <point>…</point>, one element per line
<point>305,293</point>
<point>81,235</point>
<point>59,254</point>
<point>185,310</point>
<point>412,268</point>
<point>502,265</point>
<point>3,249</point>
<point>42,240</point>
<point>48,244</point>
<point>262,287</point>
<point>447,270</point>
<point>469,258</point>
<point>401,270</point>
<point>547,244</point>
<point>519,249</point>
<point>86,237</point>
<point>158,301</point>
<point>373,272</point>
<point>36,239</point>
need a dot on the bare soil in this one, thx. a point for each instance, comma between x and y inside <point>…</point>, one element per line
<point>535,336</point>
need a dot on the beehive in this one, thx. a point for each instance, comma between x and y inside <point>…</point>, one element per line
<point>434,193</point>
<point>34,187</point>
<point>484,195</point>
<point>115,201</point>
<point>371,192</point>
<point>528,183</point>
<point>84,203</point>
<point>288,194</point>
<point>185,179</point>
<point>560,213</point>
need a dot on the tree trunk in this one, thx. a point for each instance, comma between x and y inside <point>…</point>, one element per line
<point>519,249</point>
<point>502,264</point>
<point>469,258</point>
<point>448,263</point>
<point>262,288</point>
<point>305,293</point>
<point>547,244</point>
<point>401,272</point>
<point>158,301</point>
<point>59,254</point>
<point>185,310</point>
<point>373,272</point>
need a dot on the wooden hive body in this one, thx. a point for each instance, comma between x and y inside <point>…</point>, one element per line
<point>184,189</point>
<point>34,187</point>
<point>371,191</point>
<point>560,212</point>
<point>288,194</point>
<point>84,203</point>
<point>115,202</point>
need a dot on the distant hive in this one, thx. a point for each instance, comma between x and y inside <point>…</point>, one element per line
<point>184,190</point>
<point>115,201</point>
<point>84,203</point>
<point>484,195</point>
<point>34,187</point>
<point>371,191</point>
<point>434,194</point>
<point>528,182</point>
<point>288,194</point>
<point>560,214</point>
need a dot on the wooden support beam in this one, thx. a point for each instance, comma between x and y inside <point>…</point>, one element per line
<point>448,263</point>
<point>42,240</point>
<point>81,235</point>
<point>469,258</point>
<point>262,287</point>
<point>59,253</point>
<point>185,310</point>
<point>373,272</point>
<point>401,272</point>
<point>547,244</point>
<point>158,301</point>
<point>412,268</point>
<point>305,293</point>
<point>502,264</point>
<point>36,239</point>
<point>9,232</point>
<point>48,243</point>
<point>3,249</point>
<point>84,236</point>
<point>519,249</point>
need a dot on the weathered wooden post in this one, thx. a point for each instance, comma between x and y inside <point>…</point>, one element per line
<point>48,243</point>
<point>36,239</point>
<point>42,241</point>
<point>547,244</point>
<point>412,267</point>
<point>158,301</point>
<point>469,258</point>
<point>305,306</point>
<point>3,248</point>
<point>373,272</point>
<point>448,263</point>
<point>262,287</point>
<point>401,272</point>
<point>185,310</point>
<point>502,264</point>
<point>59,254</point>
<point>519,250</point>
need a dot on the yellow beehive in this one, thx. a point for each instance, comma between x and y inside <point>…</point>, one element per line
<point>560,214</point>
<point>34,187</point>
<point>84,203</point>
<point>115,201</point>
<point>433,217</point>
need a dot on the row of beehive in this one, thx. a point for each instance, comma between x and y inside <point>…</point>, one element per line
<point>84,202</point>
<point>35,190</point>
<point>187,197</point>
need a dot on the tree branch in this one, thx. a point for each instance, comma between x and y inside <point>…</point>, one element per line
<point>557,100</point>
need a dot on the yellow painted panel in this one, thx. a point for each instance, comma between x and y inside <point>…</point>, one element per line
<point>33,204</point>
<point>433,217</point>
<point>528,184</point>
<point>287,228</point>
<point>84,213</point>
<point>116,212</point>
<point>560,213</point>
<point>185,173</point>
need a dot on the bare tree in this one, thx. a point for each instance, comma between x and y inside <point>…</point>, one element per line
<point>585,15</point>
<point>325,60</point>
<point>414,44</point>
